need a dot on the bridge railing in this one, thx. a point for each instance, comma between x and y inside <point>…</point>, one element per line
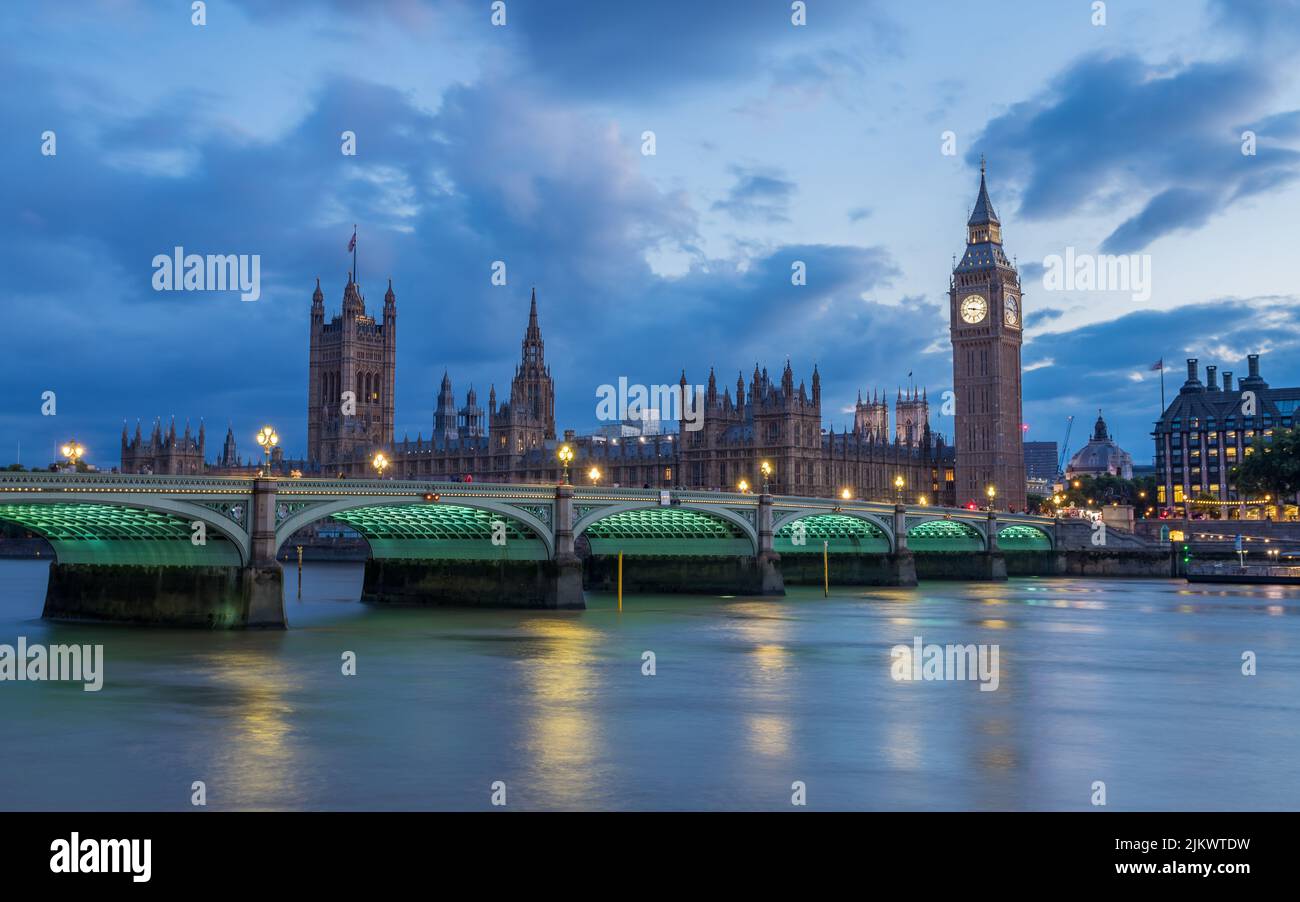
<point>17,481</point>
<point>44,482</point>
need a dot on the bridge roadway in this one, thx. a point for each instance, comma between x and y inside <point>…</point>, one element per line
<point>199,550</point>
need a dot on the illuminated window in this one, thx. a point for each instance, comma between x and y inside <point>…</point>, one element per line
<point>1160,493</point>
<point>1178,494</point>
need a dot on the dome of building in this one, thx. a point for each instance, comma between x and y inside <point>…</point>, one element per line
<point>1101,456</point>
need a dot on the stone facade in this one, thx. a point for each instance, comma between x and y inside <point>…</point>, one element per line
<point>162,453</point>
<point>1206,431</point>
<point>352,364</point>
<point>782,425</point>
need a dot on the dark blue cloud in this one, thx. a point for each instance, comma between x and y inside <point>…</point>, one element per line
<point>1110,128</point>
<point>1260,21</point>
<point>1041,315</point>
<point>607,50</point>
<point>758,195</point>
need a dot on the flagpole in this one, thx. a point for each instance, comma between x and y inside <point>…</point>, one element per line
<point>1167,476</point>
<point>357,280</point>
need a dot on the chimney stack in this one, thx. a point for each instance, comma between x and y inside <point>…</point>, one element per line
<point>1212,378</point>
<point>1192,370</point>
<point>1227,380</point>
<point>1253,361</point>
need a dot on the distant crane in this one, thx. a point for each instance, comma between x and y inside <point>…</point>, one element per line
<point>1065,447</point>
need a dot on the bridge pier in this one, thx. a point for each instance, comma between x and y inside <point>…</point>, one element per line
<point>901,563</point>
<point>554,584</point>
<point>568,566</point>
<point>995,563</point>
<point>473,584</point>
<point>770,580</point>
<point>184,596</point>
<point>263,578</point>
<point>179,595</point>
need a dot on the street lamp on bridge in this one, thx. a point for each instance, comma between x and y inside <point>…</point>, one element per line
<point>565,454</point>
<point>73,451</point>
<point>594,475</point>
<point>992,493</point>
<point>268,439</point>
<point>898,487</point>
<point>766,469</point>
<point>743,485</point>
<point>846,494</point>
<point>380,463</point>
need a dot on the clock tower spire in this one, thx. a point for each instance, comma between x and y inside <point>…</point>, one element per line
<point>985,315</point>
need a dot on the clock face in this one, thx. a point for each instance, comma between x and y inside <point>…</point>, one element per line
<point>1011,311</point>
<point>974,308</point>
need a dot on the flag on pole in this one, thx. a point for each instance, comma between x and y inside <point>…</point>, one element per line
<point>1158,365</point>
<point>352,245</point>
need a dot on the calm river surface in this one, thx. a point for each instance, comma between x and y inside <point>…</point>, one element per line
<point>1135,683</point>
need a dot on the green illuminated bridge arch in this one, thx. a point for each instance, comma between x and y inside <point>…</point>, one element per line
<point>199,520</point>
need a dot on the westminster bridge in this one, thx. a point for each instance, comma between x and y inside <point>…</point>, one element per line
<point>198,550</point>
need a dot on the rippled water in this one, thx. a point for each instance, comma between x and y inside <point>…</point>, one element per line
<point>1135,683</point>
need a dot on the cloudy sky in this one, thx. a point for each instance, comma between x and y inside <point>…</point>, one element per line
<point>774,143</point>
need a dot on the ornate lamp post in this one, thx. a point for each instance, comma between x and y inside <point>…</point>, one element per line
<point>594,475</point>
<point>73,451</point>
<point>898,487</point>
<point>565,454</point>
<point>991,492</point>
<point>268,439</point>
<point>846,494</point>
<point>743,485</point>
<point>766,469</point>
<point>380,463</point>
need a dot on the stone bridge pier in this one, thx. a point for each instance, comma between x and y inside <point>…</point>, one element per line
<point>201,592</point>
<point>262,581</point>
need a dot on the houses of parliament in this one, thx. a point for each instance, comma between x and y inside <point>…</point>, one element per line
<point>352,372</point>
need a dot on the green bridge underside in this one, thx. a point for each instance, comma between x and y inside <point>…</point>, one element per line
<point>944,535</point>
<point>94,533</point>
<point>667,532</point>
<point>108,534</point>
<point>1023,538</point>
<point>443,532</point>
<point>834,533</point>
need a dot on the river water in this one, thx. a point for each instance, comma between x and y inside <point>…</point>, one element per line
<point>1137,684</point>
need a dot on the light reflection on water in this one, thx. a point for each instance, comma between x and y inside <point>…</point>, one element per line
<point>1136,683</point>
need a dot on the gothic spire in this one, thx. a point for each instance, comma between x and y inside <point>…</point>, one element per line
<point>983,213</point>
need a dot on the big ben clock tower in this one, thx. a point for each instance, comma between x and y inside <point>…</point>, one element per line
<point>986,321</point>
